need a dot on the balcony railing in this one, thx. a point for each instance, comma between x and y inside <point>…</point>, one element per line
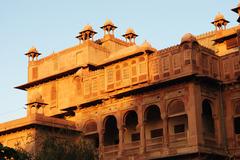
<point>178,138</point>
<point>131,148</point>
<point>110,151</point>
<point>209,139</point>
<point>154,143</point>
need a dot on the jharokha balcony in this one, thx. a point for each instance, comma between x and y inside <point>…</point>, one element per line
<point>152,134</point>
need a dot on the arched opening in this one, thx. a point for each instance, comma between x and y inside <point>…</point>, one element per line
<point>177,120</point>
<point>90,132</point>
<point>154,125</point>
<point>111,131</point>
<point>131,121</point>
<point>207,118</point>
<point>237,118</point>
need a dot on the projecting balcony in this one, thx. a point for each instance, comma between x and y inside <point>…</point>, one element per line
<point>154,144</point>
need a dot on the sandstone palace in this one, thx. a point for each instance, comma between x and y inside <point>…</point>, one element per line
<point>136,102</point>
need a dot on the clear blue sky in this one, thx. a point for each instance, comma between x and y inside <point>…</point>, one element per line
<point>51,25</point>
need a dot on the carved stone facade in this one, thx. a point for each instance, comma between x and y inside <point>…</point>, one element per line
<point>137,102</point>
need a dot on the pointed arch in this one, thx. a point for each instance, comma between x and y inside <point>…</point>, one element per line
<point>110,130</point>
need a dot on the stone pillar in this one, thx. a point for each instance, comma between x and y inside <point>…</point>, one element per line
<point>142,138</point>
<point>217,129</point>
<point>101,143</point>
<point>192,110</point>
<point>165,131</point>
<point>121,141</point>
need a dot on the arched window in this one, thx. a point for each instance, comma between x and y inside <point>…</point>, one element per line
<point>152,114</point>
<point>207,117</point>
<point>154,125</point>
<point>111,131</point>
<point>90,126</point>
<point>237,118</point>
<point>176,108</point>
<point>90,132</point>
<point>131,121</point>
<point>178,120</point>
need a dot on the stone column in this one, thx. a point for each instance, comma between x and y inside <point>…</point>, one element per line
<point>121,141</point>
<point>101,143</point>
<point>217,129</point>
<point>165,130</point>
<point>192,106</point>
<point>142,137</point>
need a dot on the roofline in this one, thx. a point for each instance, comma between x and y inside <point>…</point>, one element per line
<point>38,120</point>
<point>46,79</point>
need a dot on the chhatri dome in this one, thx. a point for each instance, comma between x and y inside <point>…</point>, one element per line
<point>130,35</point>
<point>32,50</point>
<point>219,16</point>
<point>36,97</point>
<point>188,37</point>
<point>32,54</point>
<point>220,22</point>
<point>108,27</point>
<point>86,33</point>
<point>108,22</point>
<point>130,31</point>
<point>87,28</point>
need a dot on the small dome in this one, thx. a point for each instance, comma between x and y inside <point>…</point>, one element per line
<point>146,44</point>
<point>36,97</point>
<point>33,49</point>
<point>130,30</point>
<point>188,37</point>
<point>108,22</point>
<point>219,16</point>
<point>87,27</point>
